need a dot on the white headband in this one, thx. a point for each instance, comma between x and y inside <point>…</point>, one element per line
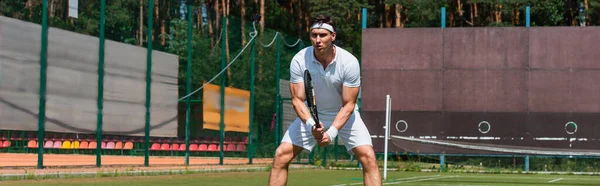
<point>323,26</point>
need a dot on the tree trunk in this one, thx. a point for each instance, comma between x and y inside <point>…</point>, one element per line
<point>29,6</point>
<point>471,16</point>
<point>262,31</point>
<point>587,17</point>
<point>451,12</point>
<point>459,8</point>
<point>51,8</point>
<point>399,16</point>
<point>387,13</point>
<point>475,8</point>
<point>498,13</point>
<point>217,21</point>
<point>243,26</point>
<point>262,16</point>
<point>299,24</point>
<point>209,24</point>
<point>141,33</point>
<point>200,21</point>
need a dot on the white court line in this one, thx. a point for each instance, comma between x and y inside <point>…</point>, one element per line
<point>555,180</point>
<point>426,179</point>
<point>399,179</point>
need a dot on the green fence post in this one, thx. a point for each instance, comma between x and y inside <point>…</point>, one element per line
<point>148,83</point>
<point>43,68</point>
<point>100,100</point>
<point>223,80</point>
<point>252,70</point>
<point>188,86</point>
<point>335,148</point>
<point>278,96</point>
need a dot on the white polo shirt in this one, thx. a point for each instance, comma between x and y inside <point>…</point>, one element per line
<point>344,70</point>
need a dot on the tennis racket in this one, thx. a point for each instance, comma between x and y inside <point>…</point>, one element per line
<point>310,97</point>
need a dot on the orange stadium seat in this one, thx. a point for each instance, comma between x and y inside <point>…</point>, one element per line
<point>128,145</point>
<point>32,144</point>
<point>84,145</point>
<point>92,145</point>
<point>118,145</point>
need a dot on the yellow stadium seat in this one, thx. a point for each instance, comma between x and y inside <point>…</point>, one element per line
<point>66,145</point>
<point>75,144</point>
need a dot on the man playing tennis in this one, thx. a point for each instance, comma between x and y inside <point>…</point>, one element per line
<point>336,78</point>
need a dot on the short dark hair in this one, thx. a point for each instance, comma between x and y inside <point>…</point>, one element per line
<point>323,19</point>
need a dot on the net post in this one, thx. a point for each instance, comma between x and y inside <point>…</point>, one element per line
<point>42,101</point>
<point>526,163</point>
<point>387,133</point>
<point>100,86</point>
<point>148,84</point>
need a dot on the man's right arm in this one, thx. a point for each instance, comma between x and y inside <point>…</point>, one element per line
<point>298,97</point>
<point>297,90</point>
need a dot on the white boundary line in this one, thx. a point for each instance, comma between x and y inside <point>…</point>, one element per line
<point>399,179</point>
<point>425,179</point>
<point>555,180</point>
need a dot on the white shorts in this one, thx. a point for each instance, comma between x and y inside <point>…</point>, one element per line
<point>353,134</point>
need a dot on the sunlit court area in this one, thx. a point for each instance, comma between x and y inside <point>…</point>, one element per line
<point>198,92</point>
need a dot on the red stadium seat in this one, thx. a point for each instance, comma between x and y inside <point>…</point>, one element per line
<point>5,144</point>
<point>194,147</point>
<point>165,147</point>
<point>155,146</point>
<point>175,146</point>
<point>182,147</point>
<point>202,147</point>
<point>241,148</point>
<point>230,147</point>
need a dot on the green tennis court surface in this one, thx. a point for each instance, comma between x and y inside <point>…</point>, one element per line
<point>326,177</point>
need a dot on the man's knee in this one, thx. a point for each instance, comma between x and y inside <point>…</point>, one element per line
<point>366,155</point>
<point>283,155</point>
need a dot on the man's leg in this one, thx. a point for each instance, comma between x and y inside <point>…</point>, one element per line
<point>366,156</point>
<point>283,156</point>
